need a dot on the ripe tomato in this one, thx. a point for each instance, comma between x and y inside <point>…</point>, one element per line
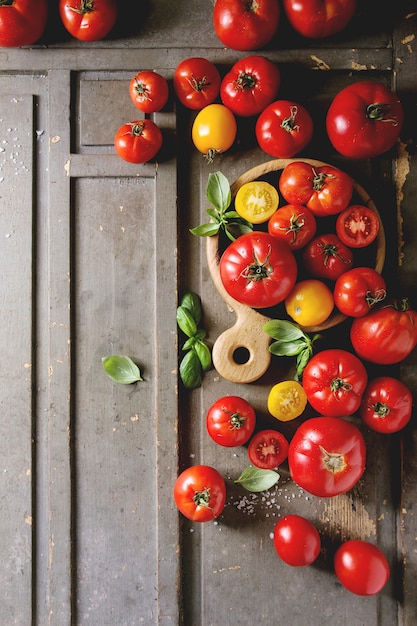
<point>268,449</point>
<point>324,189</point>
<point>287,400</point>
<point>310,302</point>
<point>245,24</point>
<point>283,129</point>
<point>361,567</point>
<point>256,201</point>
<point>250,85</point>
<point>22,22</point>
<point>327,257</point>
<point>88,20</point>
<point>334,381</point>
<point>326,456</point>
<point>138,141</point>
<point>149,91</point>
<point>386,405</point>
<point>258,270</point>
<point>357,226</point>
<point>364,120</point>
<point>214,130</point>
<point>387,334</point>
<point>294,224</point>
<point>196,82</point>
<point>200,493</point>
<point>319,18</point>
<point>230,421</point>
<point>358,290</point>
<point>296,540</point>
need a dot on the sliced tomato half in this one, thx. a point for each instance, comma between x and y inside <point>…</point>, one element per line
<point>357,226</point>
<point>268,449</point>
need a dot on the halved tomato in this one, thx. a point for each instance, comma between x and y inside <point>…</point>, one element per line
<point>268,449</point>
<point>357,226</point>
<point>256,201</point>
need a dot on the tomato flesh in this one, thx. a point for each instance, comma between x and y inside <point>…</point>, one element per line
<point>268,449</point>
<point>357,226</point>
<point>256,201</point>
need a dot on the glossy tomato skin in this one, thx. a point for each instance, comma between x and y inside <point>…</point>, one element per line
<point>88,21</point>
<point>250,86</point>
<point>22,23</point>
<point>200,493</point>
<point>361,567</point>
<point>319,18</point>
<point>325,256</point>
<point>283,129</point>
<point>258,270</point>
<point>387,334</point>
<point>310,302</point>
<point>267,449</point>
<point>364,120</point>
<point>230,421</point>
<point>296,540</point>
<point>386,405</point>
<point>138,141</point>
<point>149,91</point>
<point>196,82</point>
<point>245,24</point>
<point>327,456</point>
<point>214,130</point>
<point>293,223</point>
<point>357,226</point>
<point>358,290</point>
<point>334,381</point>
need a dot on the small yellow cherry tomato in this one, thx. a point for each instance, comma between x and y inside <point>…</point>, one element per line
<point>256,201</point>
<point>214,130</point>
<point>287,400</point>
<point>310,302</point>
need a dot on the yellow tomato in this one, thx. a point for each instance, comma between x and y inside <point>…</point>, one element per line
<point>287,400</point>
<point>214,130</point>
<point>256,201</point>
<point>310,302</point>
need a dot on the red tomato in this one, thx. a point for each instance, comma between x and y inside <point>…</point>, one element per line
<point>296,540</point>
<point>88,20</point>
<point>230,421</point>
<point>326,456</point>
<point>283,129</point>
<point>334,381</point>
<point>364,120</point>
<point>149,91</point>
<point>22,22</point>
<point>258,270</point>
<point>325,190</point>
<point>358,290</point>
<point>361,567</point>
<point>327,257</point>
<point>200,493</point>
<point>386,405</point>
<point>196,82</point>
<point>245,24</point>
<point>138,141</point>
<point>387,334</point>
<point>319,18</point>
<point>294,224</point>
<point>268,449</point>
<point>357,226</point>
<point>250,85</point>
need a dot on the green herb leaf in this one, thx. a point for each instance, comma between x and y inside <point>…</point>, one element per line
<point>192,302</point>
<point>204,354</point>
<point>186,321</point>
<point>206,230</point>
<point>283,330</point>
<point>290,340</point>
<point>190,370</point>
<point>121,369</point>
<point>287,348</point>
<point>255,479</point>
<point>218,191</point>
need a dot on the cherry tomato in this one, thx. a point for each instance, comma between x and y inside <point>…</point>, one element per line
<point>319,18</point>
<point>245,24</point>
<point>138,141</point>
<point>287,400</point>
<point>294,224</point>
<point>283,129</point>
<point>296,540</point>
<point>22,22</point>
<point>364,120</point>
<point>358,290</point>
<point>334,381</point>
<point>256,201</point>
<point>196,82</point>
<point>386,405</point>
<point>324,189</point>
<point>361,567</point>
<point>88,20</point>
<point>214,130</point>
<point>326,456</point>
<point>250,85</point>
<point>149,91</point>
<point>230,421</point>
<point>200,493</point>
<point>387,334</point>
<point>327,257</point>
<point>258,270</point>
<point>310,302</point>
<point>268,449</point>
<point>357,226</point>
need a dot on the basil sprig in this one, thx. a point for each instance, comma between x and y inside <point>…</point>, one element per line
<point>255,479</point>
<point>291,340</point>
<point>197,359</point>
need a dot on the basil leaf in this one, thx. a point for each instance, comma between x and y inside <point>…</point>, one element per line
<point>189,343</point>
<point>186,321</point>
<point>121,369</point>
<point>205,230</point>
<point>283,330</point>
<point>190,370</point>
<point>218,191</point>
<point>192,302</point>
<point>204,354</point>
<point>255,479</point>
<point>302,360</point>
<point>287,348</point>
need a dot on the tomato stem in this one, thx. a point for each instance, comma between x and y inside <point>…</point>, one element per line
<point>338,384</point>
<point>202,498</point>
<point>236,420</point>
<point>319,180</point>
<point>244,81</point>
<point>330,250</point>
<point>288,123</point>
<point>86,7</point>
<point>377,112</point>
<point>198,85</point>
<point>258,270</point>
<point>381,409</point>
<point>334,462</point>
